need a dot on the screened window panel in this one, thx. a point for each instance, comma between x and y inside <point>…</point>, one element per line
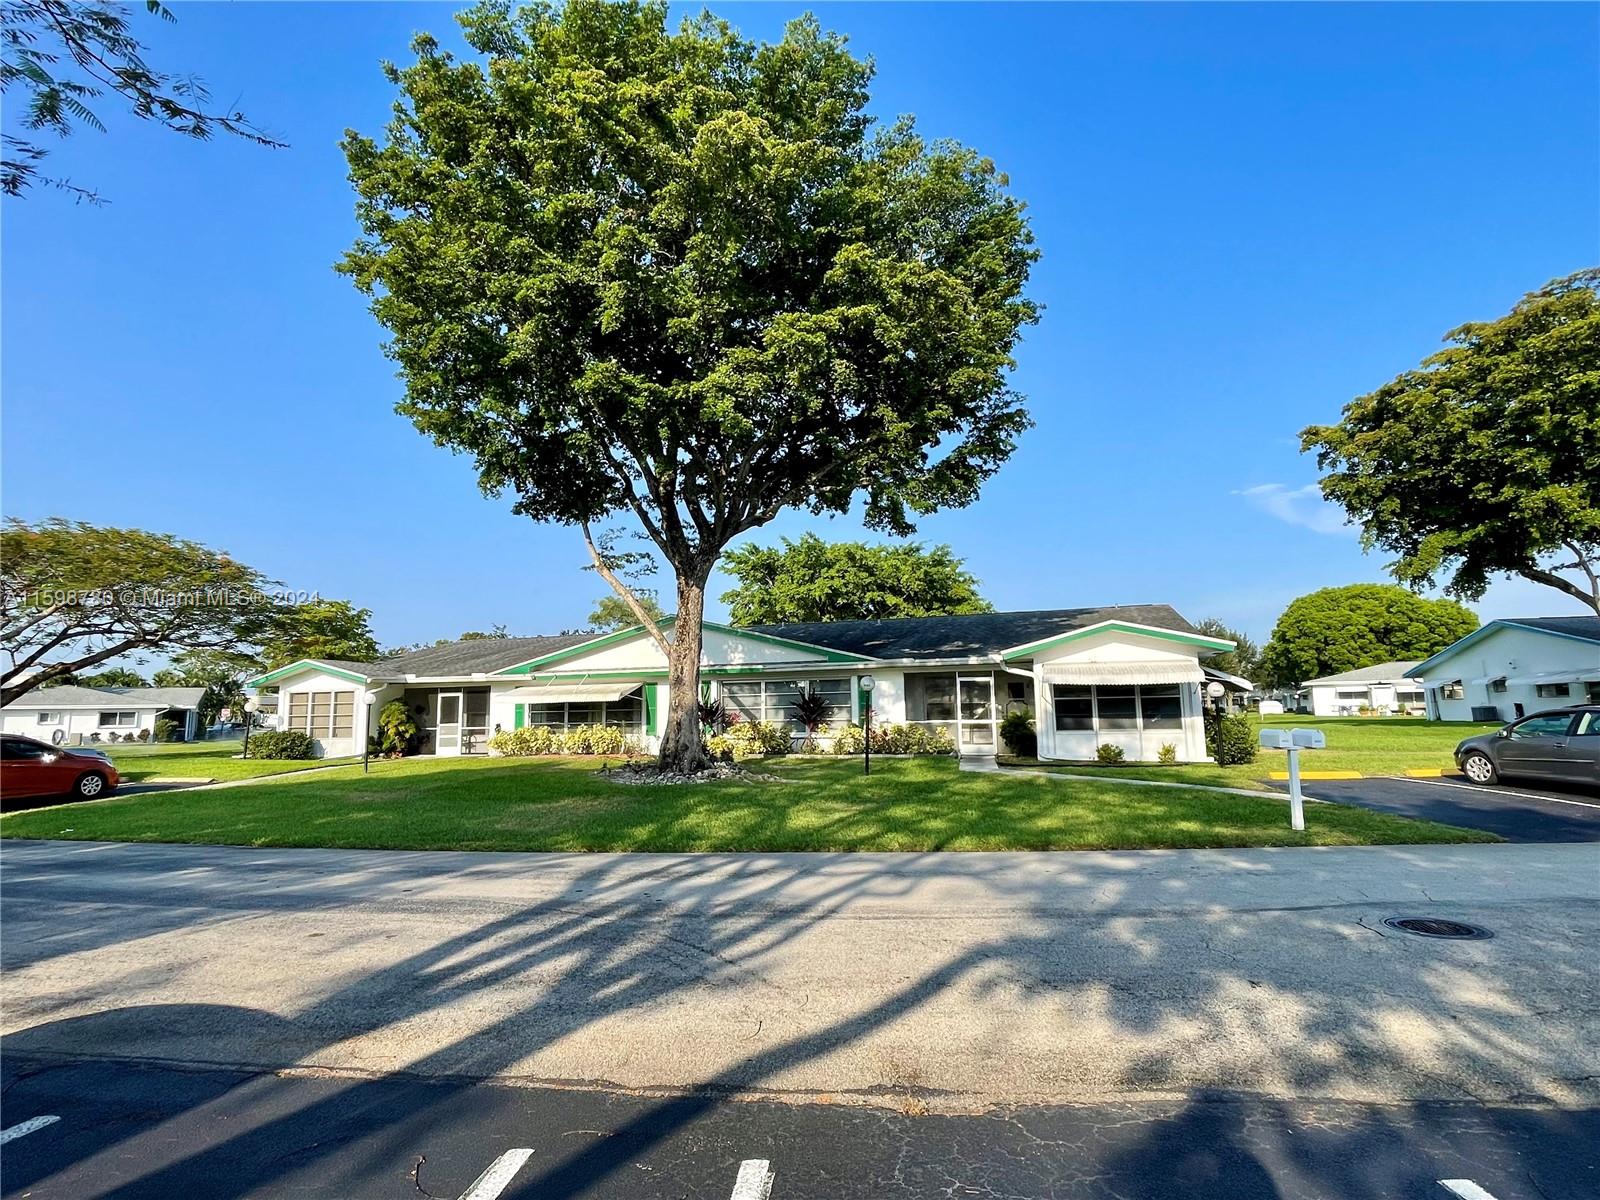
<point>298,707</point>
<point>931,697</point>
<point>627,713</point>
<point>344,714</point>
<point>1074,707</point>
<point>1161,707</point>
<point>321,714</point>
<point>547,714</point>
<point>583,714</point>
<point>744,699</point>
<point>1117,707</point>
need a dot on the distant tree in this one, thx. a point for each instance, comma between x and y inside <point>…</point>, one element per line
<point>1486,460</point>
<point>115,677</point>
<point>1345,628</point>
<point>612,612</point>
<point>63,54</point>
<point>473,635</point>
<point>679,275</point>
<point>1244,660</point>
<point>220,672</point>
<point>814,580</point>
<point>318,629</point>
<point>74,595</point>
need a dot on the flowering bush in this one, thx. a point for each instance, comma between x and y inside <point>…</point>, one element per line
<point>894,739</point>
<point>750,739</point>
<point>535,740</point>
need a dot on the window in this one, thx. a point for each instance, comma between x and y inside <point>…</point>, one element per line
<point>1497,685</point>
<point>1016,690</point>
<point>1408,697</point>
<point>119,718</point>
<point>1553,725</point>
<point>774,699</point>
<point>49,718</point>
<point>1358,694</point>
<point>1552,690</point>
<point>1074,706</point>
<point>1588,725</point>
<point>17,748</point>
<point>626,713</point>
<point>930,697</point>
<point>1161,706</point>
<point>323,714</point>
<point>1117,710</point>
<point>1454,690</point>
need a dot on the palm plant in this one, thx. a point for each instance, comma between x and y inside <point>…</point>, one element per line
<point>713,717</point>
<point>811,709</point>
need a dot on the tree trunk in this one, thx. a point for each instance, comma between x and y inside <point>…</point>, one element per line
<point>682,748</point>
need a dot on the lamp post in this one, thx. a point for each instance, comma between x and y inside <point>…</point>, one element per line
<point>1216,691</point>
<point>368,700</point>
<point>250,707</point>
<point>866,720</point>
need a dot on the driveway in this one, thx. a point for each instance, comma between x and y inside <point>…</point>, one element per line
<point>1516,813</point>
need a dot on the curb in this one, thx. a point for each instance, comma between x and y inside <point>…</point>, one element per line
<point>1282,776</point>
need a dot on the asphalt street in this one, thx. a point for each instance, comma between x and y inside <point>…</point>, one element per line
<point>1517,812</point>
<point>222,1021</point>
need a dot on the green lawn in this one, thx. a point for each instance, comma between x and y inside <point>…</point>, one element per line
<point>1370,745</point>
<point>559,804</point>
<point>195,760</point>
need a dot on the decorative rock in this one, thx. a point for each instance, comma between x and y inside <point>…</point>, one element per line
<point>648,773</point>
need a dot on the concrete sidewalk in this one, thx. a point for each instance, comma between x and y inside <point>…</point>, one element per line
<point>961,980</point>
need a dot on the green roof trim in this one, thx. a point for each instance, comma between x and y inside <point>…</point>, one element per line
<point>306,664</point>
<point>611,639</point>
<point>1166,635</point>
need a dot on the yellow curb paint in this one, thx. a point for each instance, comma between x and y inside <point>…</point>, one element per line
<point>1317,775</point>
<point>1426,772</point>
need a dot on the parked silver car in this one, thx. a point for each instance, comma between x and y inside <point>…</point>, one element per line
<point>1560,744</point>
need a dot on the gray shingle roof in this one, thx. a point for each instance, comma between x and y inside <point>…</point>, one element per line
<point>1587,628</point>
<point>478,655</point>
<point>970,636</point>
<point>1385,672</point>
<point>72,696</point>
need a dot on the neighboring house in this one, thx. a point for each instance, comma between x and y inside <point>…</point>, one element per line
<point>70,715</point>
<point>1128,675</point>
<point>1389,687</point>
<point>1510,668</point>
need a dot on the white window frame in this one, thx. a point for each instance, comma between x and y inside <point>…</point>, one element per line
<point>326,714</point>
<point>1138,726</point>
<point>566,707</point>
<point>49,717</point>
<point>116,716</point>
<point>786,686</point>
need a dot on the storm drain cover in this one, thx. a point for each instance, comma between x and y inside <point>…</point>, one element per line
<point>1437,927</point>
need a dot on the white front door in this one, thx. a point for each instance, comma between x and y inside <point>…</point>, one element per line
<point>447,724</point>
<point>975,715</point>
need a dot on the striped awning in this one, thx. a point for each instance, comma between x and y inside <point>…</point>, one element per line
<point>574,693</point>
<point>1173,671</point>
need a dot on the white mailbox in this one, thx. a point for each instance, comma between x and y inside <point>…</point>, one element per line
<point>1309,739</point>
<point>1276,739</point>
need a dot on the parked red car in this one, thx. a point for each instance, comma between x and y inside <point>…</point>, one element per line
<point>33,768</point>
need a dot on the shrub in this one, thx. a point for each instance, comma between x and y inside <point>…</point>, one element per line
<point>144,735</point>
<point>526,742</point>
<point>751,739</point>
<point>1167,755</point>
<point>894,739</point>
<point>812,710</point>
<point>1238,739</point>
<point>1018,733</point>
<point>1107,753</point>
<point>398,731</point>
<point>535,740</point>
<point>714,717</point>
<point>282,743</point>
<point>166,729</point>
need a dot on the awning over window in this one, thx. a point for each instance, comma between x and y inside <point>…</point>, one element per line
<point>1123,672</point>
<point>1578,675</point>
<point>573,693</point>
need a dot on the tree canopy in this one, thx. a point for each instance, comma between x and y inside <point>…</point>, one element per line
<point>1484,461</point>
<point>1244,660</point>
<point>1345,628</point>
<point>682,276</point>
<point>814,580</point>
<point>317,629</point>
<point>65,54</point>
<point>612,612</point>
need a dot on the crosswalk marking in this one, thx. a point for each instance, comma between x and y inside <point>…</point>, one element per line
<point>754,1181</point>
<point>500,1173</point>
<point>24,1128</point>
<point>1465,1189</point>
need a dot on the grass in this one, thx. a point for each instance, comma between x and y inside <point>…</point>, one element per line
<point>196,760</point>
<point>559,804</point>
<point>1370,745</point>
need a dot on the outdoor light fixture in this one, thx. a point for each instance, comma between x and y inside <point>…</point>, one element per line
<point>866,721</point>
<point>369,699</point>
<point>250,706</point>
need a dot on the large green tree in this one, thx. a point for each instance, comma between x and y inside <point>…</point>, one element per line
<point>317,629</point>
<point>1345,628</point>
<point>74,596</point>
<point>1244,660</point>
<point>814,580</point>
<point>1485,460</point>
<point>66,55</point>
<point>682,276</point>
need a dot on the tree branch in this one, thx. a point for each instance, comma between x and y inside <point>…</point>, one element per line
<point>622,590</point>
<point>1551,579</point>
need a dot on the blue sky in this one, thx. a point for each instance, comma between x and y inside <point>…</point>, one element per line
<point>1248,215</point>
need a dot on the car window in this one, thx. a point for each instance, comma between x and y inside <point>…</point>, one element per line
<point>1554,725</point>
<point>1588,725</point>
<point>17,750</point>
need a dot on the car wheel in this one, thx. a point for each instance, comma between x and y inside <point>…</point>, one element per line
<point>90,785</point>
<point>1479,768</point>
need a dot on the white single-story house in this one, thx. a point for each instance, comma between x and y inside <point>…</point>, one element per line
<point>1128,675</point>
<point>1512,667</point>
<point>70,715</point>
<point>1388,687</point>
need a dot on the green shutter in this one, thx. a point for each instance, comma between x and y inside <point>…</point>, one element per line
<point>650,707</point>
<point>519,716</point>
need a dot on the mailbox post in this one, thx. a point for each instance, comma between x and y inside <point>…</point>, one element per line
<point>1293,741</point>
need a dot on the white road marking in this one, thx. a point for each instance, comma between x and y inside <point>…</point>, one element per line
<point>24,1128</point>
<point>501,1171</point>
<point>1494,791</point>
<point>1464,1188</point>
<point>754,1181</point>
